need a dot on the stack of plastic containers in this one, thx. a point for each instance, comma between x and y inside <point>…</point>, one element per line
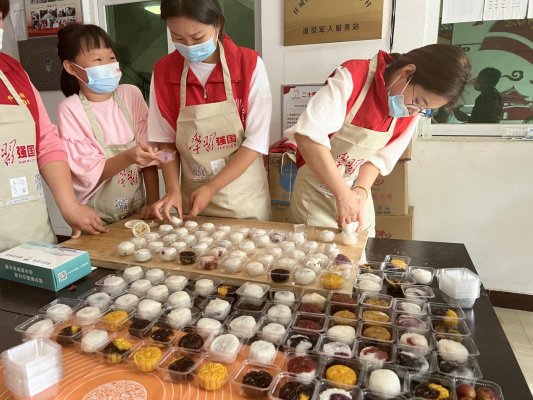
<point>32,368</point>
<point>459,286</point>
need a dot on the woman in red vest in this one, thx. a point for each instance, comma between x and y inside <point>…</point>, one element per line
<point>358,125</point>
<point>210,103</point>
<point>30,147</point>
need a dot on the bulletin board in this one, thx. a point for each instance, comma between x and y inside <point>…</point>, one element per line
<point>45,18</point>
<point>294,102</point>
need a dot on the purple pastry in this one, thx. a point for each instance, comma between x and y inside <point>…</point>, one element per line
<point>408,321</point>
<point>341,259</point>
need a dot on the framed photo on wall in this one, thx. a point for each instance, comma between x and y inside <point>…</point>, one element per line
<point>46,18</point>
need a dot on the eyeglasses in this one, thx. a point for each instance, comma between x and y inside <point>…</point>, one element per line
<point>425,112</point>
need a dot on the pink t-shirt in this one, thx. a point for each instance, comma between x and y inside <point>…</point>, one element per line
<point>86,156</point>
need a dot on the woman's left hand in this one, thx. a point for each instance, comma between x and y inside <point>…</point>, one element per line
<point>361,200</point>
<point>147,212</point>
<point>200,199</point>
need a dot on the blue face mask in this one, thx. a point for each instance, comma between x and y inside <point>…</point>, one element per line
<point>198,52</point>
<point>103,79</point>
<point>397,107</point>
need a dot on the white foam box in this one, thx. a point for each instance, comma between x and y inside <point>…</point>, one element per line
<point>44,265</point>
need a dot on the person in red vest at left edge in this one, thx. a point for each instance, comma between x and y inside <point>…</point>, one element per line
<point>210,102</point>
<point>30,147</point>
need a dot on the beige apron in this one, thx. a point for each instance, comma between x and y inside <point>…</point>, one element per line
<point>311,202</point>
<point>123,194</point>
<point>207,136</point>
<point>23,212</point>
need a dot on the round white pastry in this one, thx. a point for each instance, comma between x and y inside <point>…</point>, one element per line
<point>385,382</point>
<point>369,276</point>
<point>207,326</point>
<point>88,315</point>
<point>127,302</point>
<point>280,313</point>
<point>217,309</point>
<point>208,226</point>
<point>253,291</point>
<point>218,235</point>
<point>139,242</point>
<point>168,253</point>
<point>140,287</point>
<point>217,251</point>
<point>261,241</point>
<point>266,259</point>
<point>204,287</point>
<point>422,276</point>
<point>416,340</point>
<point>189,239</point>
<point>257,231</point>
<point>309,246</point>
<point>315,298</point>
<point>297,254</point>
<point>180,317</point>
<point>304,276</point>
<point>277,237</point>
<point>170,238</point>
<point>175,221</point>
<point>59,312</point>
<point>225,347</point>
<point>165,229</point>
<point>149,309</point>
<point>232,265</point>
<point>201,234</point>
<point>236,238</point>
<point>207,240</point>
<point>155,246</point>
<point>180,299</point>
<point>237,253</point>
<point>262,352</point>
<point>286,262</point>
<point>255,268</point>
<point>287,246</point>
<point>349,239</point>
<point>125,248</point>
<point>327,236</point>
<point>224,228</point>
<point>181,232</point>
<point>247,246</point>
<point>243,326</point>
<point>275,251</point>
<point>191,225</point>
<point>298,237</point>
<point>155,275</point>
<point>142,255</point>
<point>331,250</point>
<point>176,283</point>
<point>151,236</point>
<point>224,243</point>
<point>200,248</point>
<point>368,285</point>
<point>158,293</point>
<point>313,263</point>
<point>93,340</point>
<point>342,333</point>
<point>179,245</point>
<point>450,350</point>
<point>244,230</point>
<point>99,299</point>
<point>113,284</point>
<point>409,308</point>
<point>337,348</point>
<point>285,297</point>
<point>134,273</point>
<point>273,332</point>
<point>42,328</point>
<point>349,228</point>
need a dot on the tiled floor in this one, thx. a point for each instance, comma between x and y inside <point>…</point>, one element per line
<point>518,326</point>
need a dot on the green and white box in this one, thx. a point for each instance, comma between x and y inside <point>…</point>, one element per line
<point>44,265</point>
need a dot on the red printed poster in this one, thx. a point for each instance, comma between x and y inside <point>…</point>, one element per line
<point>47,17</point>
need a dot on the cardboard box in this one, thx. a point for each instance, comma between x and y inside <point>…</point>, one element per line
<point>44,265</point>
<point>280,213</point>
<point>395,226</point>
<point>408,152</point>
<point>281,175</point>
<point>390,192</point>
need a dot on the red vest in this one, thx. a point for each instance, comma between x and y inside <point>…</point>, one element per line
<point>21,82</point>
<point>374,112</point>
<point>167,76</point>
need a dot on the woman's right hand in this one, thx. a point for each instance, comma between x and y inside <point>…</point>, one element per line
<point>161,208</point>
<point>143,155</point>
<point>348,204</point>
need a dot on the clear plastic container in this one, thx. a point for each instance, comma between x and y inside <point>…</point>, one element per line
<point>238,330</point>
<point>407,358</point>
<point>490,388</point>
<point>273,337</point>
<point>171,369</point>
<point>396,281</point>
<point>161,333</point>
<point>405,306</point>
<point>419,292</point>
<point>325,340</point>
<point>415,381</point>
<point>205,381</point>
<point>67,333</point>
<point>442,310</point>
<point>376,300</point>
<point>464,340</point>
<point>294,360</point>
<point>372,266</point>
<point>342,314</point>
<point>396,262</point>
<point>400,372</point>
<point>469,369</point>
<point>280,275</point>
<point>139,327</point>
<point>342,330</point>
<point>255,307</point>
<point>301,342</point>
<point>310,322</point>
<point>117,349</point>
<point>219,315</point>
<point>411,322</point>
<point>378,332</point>
<point>224,355</point>
<point>375,352</point>
<point>370,395</point>
<point>204,291</point>
<point>112,289</point>
<point>450,326</point>
<point>246,286</point>
<point>193,339</point>
<point>43,387</point>
<point>420,274</point>
<point>307,387</point>
<point>296,291</point>
<point>465,303</point>
<point>343,298</point>
<point>369,282</point>
<point>249,391</point>
<point>374,314</point>
<point>31,359</point>
<point>58,316</point>
<point>147,356</point>
<point>459,283</point>
<point>44,321</point>
<point>355,365</point>
<point>319,298</point>
<point>180,323</point>
<point>114,319</point>
<point>415,341</point>
<point>97,297</point>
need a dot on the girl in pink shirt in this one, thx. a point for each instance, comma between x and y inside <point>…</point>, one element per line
<point>103,127</point>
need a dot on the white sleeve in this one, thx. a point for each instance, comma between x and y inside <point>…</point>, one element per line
<point>326,110</point>
<point>257,134</point>
<point>386,158</point>
<point>159,130</point>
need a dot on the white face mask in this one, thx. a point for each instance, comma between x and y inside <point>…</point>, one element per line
<point>1,38</point>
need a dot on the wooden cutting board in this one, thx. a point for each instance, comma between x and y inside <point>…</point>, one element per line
<point>103,251</point>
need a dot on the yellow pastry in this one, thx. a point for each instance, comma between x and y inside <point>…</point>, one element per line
<point>378,316</point>
<point>147,358</point>
<point>341,374</point>
<point>114,319</point>
<point>443,392</point>
<point>212,376</point>
<point>115,351</point>
<point>398,263</point>
<point>377,332</point>
<point>376,301</point>
<point>451,318</point>
<point>345,314</point>
<point>332,281</point>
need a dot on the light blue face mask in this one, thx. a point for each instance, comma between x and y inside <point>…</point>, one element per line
<point>198,52</point>
<point>397,107</point>
<point>103,79</point>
